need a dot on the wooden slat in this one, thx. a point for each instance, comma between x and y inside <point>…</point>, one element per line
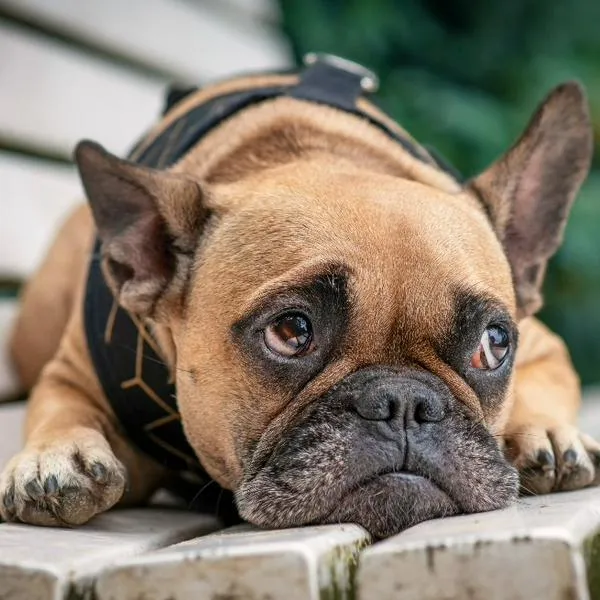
<point>259,9</point>
<point>53,96</point>
<point>188,39</point>
<point>8,379</point>
<point>12,422</point>
<point>589,414</point>
<point>538,548</point>
<point>310,563</point>
<point>41,563</point>
<point>36,197</point>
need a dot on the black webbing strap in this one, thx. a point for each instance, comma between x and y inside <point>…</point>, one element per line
<point>321,83</point>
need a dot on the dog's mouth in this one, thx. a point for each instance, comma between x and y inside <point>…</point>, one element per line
<point>385,502</point>
<point>386,474</point>
<point>392,501</point>
<point>329,469</point>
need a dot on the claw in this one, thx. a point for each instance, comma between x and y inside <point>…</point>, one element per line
<point>51,485</point>
<point>570,458</point>
<point>9,499</point>
<point>99,472</point>
<point>34,489</point>
<point>546,460</point>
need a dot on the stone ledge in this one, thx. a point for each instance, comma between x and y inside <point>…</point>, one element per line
<point>244,563</point>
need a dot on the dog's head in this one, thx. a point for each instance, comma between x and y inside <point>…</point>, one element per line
<point>343,340</point>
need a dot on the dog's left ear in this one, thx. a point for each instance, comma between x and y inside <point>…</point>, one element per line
<point>529,191</point>
<point>149,222</point>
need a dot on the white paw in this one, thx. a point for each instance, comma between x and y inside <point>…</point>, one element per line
<point>553,458</point>
<point>63,482</point>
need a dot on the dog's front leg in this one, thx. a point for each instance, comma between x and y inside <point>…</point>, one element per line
<point>75,463</point>
<point>542,438</point>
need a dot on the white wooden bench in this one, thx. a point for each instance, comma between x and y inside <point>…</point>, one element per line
<point>71,69</point>
<point>99,69</point>
<point>545,547</point>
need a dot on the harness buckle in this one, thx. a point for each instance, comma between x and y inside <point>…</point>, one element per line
<point>369,82</point>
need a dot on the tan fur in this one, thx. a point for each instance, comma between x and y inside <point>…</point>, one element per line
<point>350,183</point>
<point>67,413</point>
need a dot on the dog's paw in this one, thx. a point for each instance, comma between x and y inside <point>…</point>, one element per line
<point>65,482</point>
<point>553,459</point>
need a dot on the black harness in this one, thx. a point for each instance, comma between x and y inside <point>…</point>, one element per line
<point>127,360</point>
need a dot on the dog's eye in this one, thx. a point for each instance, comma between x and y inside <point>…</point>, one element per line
<point>290,335</point>
<point>493,349</point>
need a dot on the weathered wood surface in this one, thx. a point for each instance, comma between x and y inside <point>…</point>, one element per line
<point>296,564</point>
<point>39,563</point>
<point>545,547</point>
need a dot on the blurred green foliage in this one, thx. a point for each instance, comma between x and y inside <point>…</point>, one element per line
<point>465,77</point>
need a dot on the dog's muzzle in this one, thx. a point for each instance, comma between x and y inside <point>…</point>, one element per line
<point>385,448</point>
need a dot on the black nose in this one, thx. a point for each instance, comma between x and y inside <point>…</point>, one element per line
<point>393,397</point>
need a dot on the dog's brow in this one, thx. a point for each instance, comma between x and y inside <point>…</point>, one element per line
<point>471,307</point>
<point>300,277</point>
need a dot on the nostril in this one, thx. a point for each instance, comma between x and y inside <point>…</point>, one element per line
<point>409,403</point>
<point>428,410</point>
<point>376,407</point>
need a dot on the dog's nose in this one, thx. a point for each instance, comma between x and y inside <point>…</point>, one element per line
<point>408,402</point>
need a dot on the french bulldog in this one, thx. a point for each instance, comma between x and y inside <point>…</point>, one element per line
<point>349,329</point>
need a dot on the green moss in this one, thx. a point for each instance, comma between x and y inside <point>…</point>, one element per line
<point>83,590</point>
<point>591,551</point>
<point>337,572</point>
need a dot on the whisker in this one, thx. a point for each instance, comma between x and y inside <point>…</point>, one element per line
<point>219,502</point>
<point>528,490</point>
<point>518,435</point>
<point>202,489</point>
<point>150,358</point>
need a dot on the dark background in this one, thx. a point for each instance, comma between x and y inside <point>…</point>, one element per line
<point>465,77</point>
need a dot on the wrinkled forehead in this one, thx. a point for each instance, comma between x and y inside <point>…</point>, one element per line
<point>400,243</point>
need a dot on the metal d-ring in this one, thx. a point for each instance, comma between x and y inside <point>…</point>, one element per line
<point>369,82</point>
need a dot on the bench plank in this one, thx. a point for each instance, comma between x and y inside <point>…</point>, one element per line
<point>8,379</point>
<point>12,421</point>
<point>536,549</point>
<point>188,39</point>
<point>82,97</point>
<point>36,196</point>
<point>260,9</point>
<point>243,563</point>
<point>38,563</point>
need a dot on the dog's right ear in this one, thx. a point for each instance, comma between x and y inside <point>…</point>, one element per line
<point>149,222</point>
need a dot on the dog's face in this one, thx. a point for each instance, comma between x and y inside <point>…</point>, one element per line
<point>345,339</point>
<point>360,353</point>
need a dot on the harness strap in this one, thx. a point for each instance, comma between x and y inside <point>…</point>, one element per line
<point>330,81</point>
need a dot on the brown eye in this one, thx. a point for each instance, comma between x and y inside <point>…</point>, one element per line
<point>493,349</point>
<point>290,335</point>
